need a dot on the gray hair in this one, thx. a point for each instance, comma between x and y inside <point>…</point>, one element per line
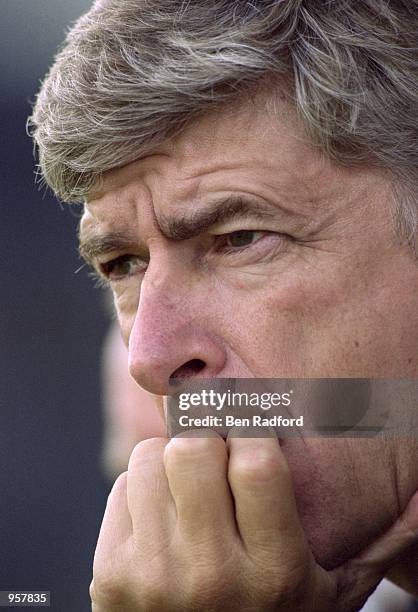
<point>133,73</point>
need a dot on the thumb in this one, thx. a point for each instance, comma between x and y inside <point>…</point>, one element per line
<point>358,578</point>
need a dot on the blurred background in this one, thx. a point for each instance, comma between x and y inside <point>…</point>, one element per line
<point>51,327</point>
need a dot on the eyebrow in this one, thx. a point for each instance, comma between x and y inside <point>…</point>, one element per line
<point>93,246</point>
<point>201,219</point>
<point>180,227</point>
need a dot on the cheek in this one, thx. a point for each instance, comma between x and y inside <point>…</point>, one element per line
<point>310,324</point>
<point>279,325</point>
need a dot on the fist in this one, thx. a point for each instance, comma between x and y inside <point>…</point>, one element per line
<point>200,524</point>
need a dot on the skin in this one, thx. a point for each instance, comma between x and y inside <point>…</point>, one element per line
<point>325,288</point>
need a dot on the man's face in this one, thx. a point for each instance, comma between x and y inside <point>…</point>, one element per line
<point>237,250</point>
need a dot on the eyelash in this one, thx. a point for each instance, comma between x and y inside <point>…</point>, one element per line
<point>231,250</point>
<point>103,278</point>
<point>107,267</point>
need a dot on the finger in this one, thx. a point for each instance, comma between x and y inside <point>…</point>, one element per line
<point>149,499</point>
<point>265,506</point>
<point>196,469</point>
<point>114,537</point>
<point>404,573</point>
<point>371,565</point>
<point>386,550</point>
<point>116,526</point>
<point>381,555</point>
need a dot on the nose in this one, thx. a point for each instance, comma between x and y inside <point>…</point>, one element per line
<point>170,339</point>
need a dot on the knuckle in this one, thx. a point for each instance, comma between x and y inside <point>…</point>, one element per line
<point>154,593</point>
<point>120,483</point>
<point>94,592</point>
<point>146,449</point>
<point>153,589</point>
<point>182,448</point>
<point>206,584</point>
<point>119,489</point>
<point>118,588</point>
<point>107,590</point>
<point>261,466</point>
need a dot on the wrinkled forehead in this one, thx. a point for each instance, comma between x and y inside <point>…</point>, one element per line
<point>250,148</point>
<point>246,132</point>
<point>247,138</point>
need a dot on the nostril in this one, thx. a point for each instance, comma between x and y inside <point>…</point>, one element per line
<point>189,369</point>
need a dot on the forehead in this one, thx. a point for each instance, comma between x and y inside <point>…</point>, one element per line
<point>249,148</point>
<point>244,135</point>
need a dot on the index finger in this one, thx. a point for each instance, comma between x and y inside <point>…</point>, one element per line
<point>265,506</point>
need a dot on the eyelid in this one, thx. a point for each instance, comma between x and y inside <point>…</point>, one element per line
<point>105,267</point>
<point>265,233</point>
<point>102,260</point>
<point>222,248</point>
<point>239,226</point>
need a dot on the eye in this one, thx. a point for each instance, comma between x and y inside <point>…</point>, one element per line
<point>122,267</point>
<point>241,239</point>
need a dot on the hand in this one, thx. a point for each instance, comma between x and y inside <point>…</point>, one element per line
<point>197,524</point>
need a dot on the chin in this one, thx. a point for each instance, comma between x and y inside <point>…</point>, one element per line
<point>338,521</point>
